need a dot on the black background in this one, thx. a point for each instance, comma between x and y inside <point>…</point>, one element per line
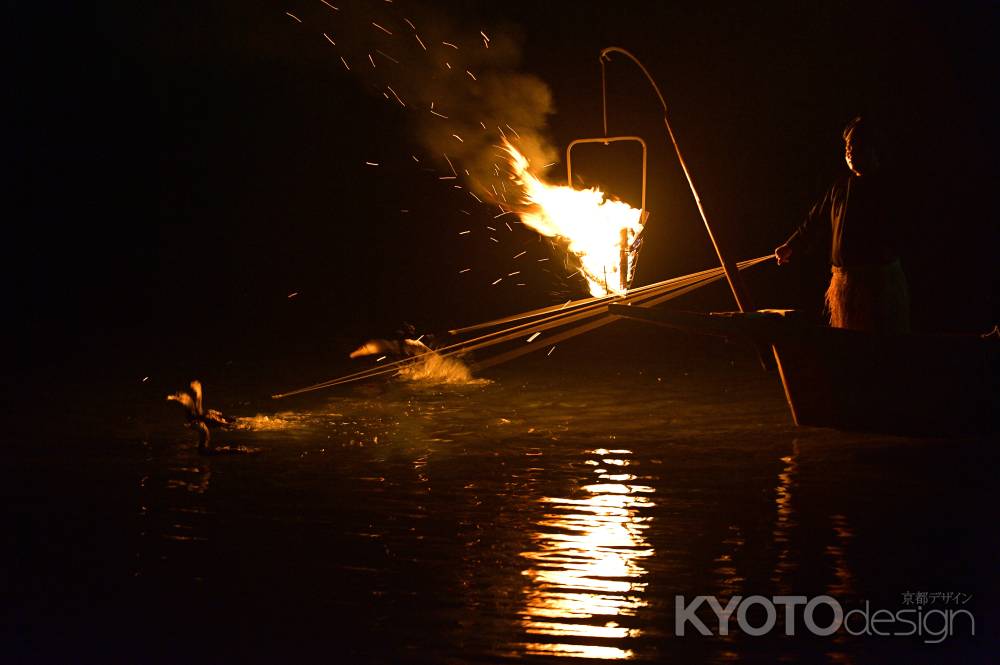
<point>179,168</point>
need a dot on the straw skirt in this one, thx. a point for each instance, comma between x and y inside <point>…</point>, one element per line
<point>869,298</point>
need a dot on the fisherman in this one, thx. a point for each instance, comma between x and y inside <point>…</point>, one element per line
<point>868,289</point>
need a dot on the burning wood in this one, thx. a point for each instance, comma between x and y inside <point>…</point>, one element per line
<point>591,224</point>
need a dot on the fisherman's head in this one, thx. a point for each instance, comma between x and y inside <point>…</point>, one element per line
<point>861,146</point>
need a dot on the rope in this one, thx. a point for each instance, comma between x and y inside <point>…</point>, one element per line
<point>497,337</point>
<point>547,318</point>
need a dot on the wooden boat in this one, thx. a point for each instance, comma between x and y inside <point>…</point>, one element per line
<point>912,384</point>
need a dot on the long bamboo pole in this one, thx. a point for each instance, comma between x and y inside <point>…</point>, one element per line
<point>732,274</point>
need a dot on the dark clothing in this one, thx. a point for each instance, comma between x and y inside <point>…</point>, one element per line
<point>868,287</point>
<point>861,214</point>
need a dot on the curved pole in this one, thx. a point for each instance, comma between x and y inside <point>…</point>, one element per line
<point>732,274</point>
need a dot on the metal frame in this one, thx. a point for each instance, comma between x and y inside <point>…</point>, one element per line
<point>605,141</point>
<point>623,270</point>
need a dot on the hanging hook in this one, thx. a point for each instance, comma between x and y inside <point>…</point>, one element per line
<point>604,94</point>
<point>732,274</point>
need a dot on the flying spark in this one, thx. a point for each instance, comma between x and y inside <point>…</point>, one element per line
<point>534,337</point>
<point>294,16</point>
<point>329,39</point>
<point>394,93</point>
<point>381,28</point>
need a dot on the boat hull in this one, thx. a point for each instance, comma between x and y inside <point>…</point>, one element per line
<point>907,384</point>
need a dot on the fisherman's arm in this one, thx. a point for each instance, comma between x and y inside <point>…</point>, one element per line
<point>805,237</point>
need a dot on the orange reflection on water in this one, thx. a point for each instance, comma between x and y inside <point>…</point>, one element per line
<point>585,567</point>
<point>786,522</point>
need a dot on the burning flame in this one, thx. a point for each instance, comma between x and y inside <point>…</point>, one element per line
<point>591,223</point>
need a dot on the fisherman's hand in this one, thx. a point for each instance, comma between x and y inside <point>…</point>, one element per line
<point>783,254</point>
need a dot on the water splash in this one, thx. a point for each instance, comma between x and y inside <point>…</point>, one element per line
<point>434,368</point>
<point>263,423</point>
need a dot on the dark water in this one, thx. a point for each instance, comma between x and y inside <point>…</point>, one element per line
<point>554,512</point>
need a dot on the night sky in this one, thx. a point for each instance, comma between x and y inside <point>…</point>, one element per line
<point>180,168</point>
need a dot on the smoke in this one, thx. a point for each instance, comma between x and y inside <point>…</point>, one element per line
<point>459,84</point>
